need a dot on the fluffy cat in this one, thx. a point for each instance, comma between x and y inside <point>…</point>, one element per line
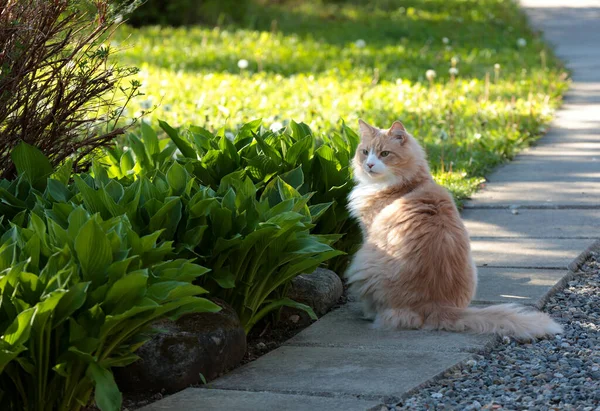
<point>414,269</point>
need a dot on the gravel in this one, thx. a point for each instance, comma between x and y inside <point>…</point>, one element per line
<point>561,373</point>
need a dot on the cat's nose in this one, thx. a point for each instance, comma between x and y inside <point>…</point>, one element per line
<point>370,165</point>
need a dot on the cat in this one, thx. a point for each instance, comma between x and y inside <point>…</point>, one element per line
<point>414,269</point>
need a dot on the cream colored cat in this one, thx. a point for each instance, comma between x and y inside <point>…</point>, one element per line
<point>415,268</point>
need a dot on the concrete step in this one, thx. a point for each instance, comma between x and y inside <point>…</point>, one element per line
<point>514,285</point>
<point>353,331</point>
<point>374,374</point>
<point>527,252</point>
<point>531,223</point>
<point>196,399</point>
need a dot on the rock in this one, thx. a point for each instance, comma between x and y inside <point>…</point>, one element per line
<point>199,343</point>
<point>321,290</point>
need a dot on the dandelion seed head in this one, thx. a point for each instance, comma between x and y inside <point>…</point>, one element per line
<point>276,126</point>
<point>242,64</point>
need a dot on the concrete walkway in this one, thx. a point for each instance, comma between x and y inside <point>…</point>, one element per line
<point>535,216</point>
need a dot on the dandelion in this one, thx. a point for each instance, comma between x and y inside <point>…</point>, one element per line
<point>496,72</point>
<point>360,43</point>
<point>477,136</point>
<point>453,71</point>
<point>430,74</point>
<point>242,64</point>
<point>521,42</point>
<point>146,104</point>
<point>276,126</point>
<point>445,40</point>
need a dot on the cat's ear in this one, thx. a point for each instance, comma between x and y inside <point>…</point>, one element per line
<point>366,130</point>
<point>398,131</point>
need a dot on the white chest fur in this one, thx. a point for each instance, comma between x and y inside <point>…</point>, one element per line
<point>359,197</point>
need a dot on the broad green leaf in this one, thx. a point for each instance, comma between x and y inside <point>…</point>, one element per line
<point>94,251</point>
<point>171,290</point>
<point>150,139</point>
<point>7,253</point>
<point>317,210</point>
<point>106,393</point>
<point>126,292</point>
<point>167,218</point>
<point>222,221</point>
<point>177,178</point>
<point>100,174</point>
<point>299,150</point>
<point>71,302</point>
<point>32,164</point>
<point>58,191</point>
<point>183,146</point>
<point>18,332</point>
<point>294,178</point>
<point>299,130</point>
<point>91,198</point>
<point>127,162</point>
<point>63,173</point>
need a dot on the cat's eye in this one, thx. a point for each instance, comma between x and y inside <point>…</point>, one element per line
<point>384,153</point>
<point>365,152</point>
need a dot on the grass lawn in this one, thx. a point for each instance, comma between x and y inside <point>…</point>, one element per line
<point>323,62</point>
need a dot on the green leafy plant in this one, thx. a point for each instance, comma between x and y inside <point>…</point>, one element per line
<point>78,295</point>
<point>315,166</point>
<point>257,246</point>
<point>255,241</point>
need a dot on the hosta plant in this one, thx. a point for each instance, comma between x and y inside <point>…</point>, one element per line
<point>257,246</point>
<point>78,289</point>
<point>77,295</point>
<point>254,243</point>
<point>262,156</point>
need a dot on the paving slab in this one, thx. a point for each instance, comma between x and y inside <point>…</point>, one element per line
<point>515,285</point>
<point>195,399</point>
<point>338,371</point>
<point>527,252</point>
<point>545,194</point>
<point>351,330</point>
<point>566,223</point>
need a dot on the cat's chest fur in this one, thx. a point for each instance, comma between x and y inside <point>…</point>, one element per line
<point>367,200</point>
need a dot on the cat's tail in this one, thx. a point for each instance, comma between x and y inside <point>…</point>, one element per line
<point>505,319</point>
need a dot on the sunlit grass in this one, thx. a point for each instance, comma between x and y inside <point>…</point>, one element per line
<point>321,63</point>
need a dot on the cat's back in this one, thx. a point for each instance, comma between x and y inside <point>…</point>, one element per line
<point>429,203</point>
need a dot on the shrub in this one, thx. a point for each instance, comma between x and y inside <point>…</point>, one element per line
<point>54,78</point>
<point>78,293</point>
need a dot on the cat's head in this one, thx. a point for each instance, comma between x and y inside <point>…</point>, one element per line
<point>389,156</point>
